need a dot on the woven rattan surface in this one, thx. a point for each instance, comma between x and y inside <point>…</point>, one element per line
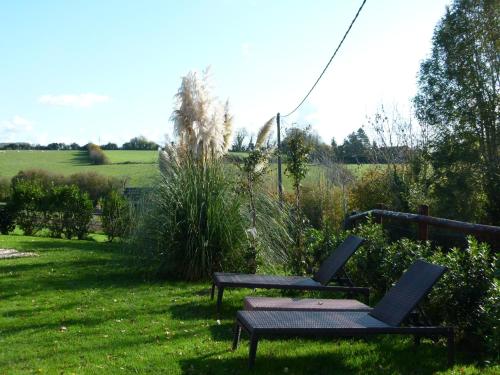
<point>337,259</point>
<point>303,304</point>
<point>405,295</point>
<point>263,280</point>
<point>308,320</point>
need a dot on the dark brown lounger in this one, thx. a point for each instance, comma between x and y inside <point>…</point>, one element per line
<point>385,318</point>
<point>302,304</point>
<point>331,270</point>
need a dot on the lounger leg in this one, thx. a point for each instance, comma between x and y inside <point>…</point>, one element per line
<point>451,347</point>
<point>212,291</point>
<point>220,292</point>
<point>253,350</point>
<point>237,334</point>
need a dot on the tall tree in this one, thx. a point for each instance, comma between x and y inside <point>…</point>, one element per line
<point>458,99</point>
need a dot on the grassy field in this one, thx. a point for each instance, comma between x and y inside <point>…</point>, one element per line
<point>138,166</point>
<point>80,308</point>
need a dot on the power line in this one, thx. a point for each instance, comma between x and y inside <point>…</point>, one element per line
<point>327,65</point>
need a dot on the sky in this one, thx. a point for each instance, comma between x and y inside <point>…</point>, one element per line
<point>106,71</point>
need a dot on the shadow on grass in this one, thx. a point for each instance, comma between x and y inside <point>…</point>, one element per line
<point>391,359</point>
<point>80,158</point>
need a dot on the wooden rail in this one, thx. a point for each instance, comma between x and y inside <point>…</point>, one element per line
<point>424,221</point>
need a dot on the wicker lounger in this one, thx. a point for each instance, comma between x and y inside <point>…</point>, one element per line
<point>331,269</point>
<point>302,304</point>
<point>385,318</point>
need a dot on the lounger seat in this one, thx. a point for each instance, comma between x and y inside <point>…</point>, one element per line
<point>302,304</point>
<point>331,270</point>
<point>386,318</point>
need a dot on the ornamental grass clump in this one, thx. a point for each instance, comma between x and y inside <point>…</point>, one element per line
<point>201,217</point>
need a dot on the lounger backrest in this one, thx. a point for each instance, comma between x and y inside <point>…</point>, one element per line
<point>405,295</point>
<point>337,259</point>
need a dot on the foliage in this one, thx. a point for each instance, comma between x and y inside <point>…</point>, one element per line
<point>458,102</point>
<point>60,208</point>
<point>115,215</point>
<point>465,294</point>
<point>297,158</point>
<point>4,189</point>
<point>192,225</point>
<point>322,204</point>
<point>378,186</point>
<point>7,223</point>
<point>95,185</point>
<point>137,143</point>
<point>96,155</point>
<point>466,297</point>
<point>25,201</point>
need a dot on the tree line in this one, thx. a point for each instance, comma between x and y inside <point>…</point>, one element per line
<point>136,143</point>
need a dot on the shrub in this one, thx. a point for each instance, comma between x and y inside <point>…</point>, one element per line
<point>4,189</point>
<point>96,185</point>
<point>465,297</point>
<point>7,223</point>
<point>77,211</point>
<point>45,178</point>
<point>115,215</point>
<point>366,266</point>
<point>379,185</point>
<point>192,225</point>
<point>97,155</point>
<point>26,200</point>
<point>322,204</point>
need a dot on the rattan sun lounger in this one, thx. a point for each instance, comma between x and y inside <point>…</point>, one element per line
<point>385,318</point>
<point>331,270</point>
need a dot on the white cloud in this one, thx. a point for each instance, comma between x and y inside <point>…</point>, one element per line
<point>16,124</point>
<point>73,100</point>
<point>16,129</point>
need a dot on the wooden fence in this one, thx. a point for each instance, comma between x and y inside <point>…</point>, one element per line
<point>486,233</point>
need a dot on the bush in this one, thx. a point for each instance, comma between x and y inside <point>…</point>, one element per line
<point>97,155</point>
<point>25,201</point>
<point>4,189</point>
<point>192,225</point>
<point>115,215</point>
<point>465,297</point>
<point>379,185</point>
<point>96,185</point>
<point>77,211</point>
<point>7,223</point>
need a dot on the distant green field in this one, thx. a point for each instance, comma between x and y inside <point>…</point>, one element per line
<point>139,167</point>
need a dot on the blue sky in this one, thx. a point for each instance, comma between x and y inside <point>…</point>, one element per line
<point>105,71</point>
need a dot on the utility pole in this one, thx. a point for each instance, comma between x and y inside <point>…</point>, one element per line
<point>280,181</point>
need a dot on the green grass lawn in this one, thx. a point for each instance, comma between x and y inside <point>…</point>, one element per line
<point>139,167</point>
<point>81,308</point>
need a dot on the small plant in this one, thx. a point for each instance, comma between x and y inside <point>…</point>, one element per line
<point>115,215</point>
<point>297,167</point>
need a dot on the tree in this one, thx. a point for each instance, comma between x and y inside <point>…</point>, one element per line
<point>355,148</point>
<point>239,139</point>
<point>458,101</point>
<point>140,143</point>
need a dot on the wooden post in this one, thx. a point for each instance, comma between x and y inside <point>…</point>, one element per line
<point>378,218</point>
<point>280,181</point>
<point>423,228</point>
